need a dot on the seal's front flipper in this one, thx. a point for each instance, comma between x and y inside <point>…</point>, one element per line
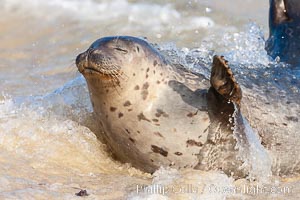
<point>219,152</point>
<point>223,81</point>
<point>231,144</point>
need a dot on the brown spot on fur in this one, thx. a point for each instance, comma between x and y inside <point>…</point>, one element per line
<point>161,74</point>
<point>145,92</point>
<point>141,116</point>
<point>174,130</point>
<point>107,90</point>
<point>178,153</point>
<point>152,160</point>
<point>146,86</point>
<point>133,74</point>
<point>132,140</point>
<point>192,114</point>
<point>158,134</point>
<point>148,69</point>
<point>159,150</point>
<point>138,132</point>
<point>155,120</point>
<point>112,109</point>
<point>127,130</point>
<point>147,76</point>
<point>136,87</point>
<point>155,63</point>
<point>127,103</point>
<point>154,72</point>
<point>130,109</point>
<point>120,115</point>
<point>160,112</point>
<point>193,143</point>
<point>158,82</point>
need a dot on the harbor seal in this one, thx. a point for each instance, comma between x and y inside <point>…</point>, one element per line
<point>284,31</point>
<point>154,113</point>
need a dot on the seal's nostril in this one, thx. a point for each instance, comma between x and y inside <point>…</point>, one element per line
<point>78,58</point>
<point>81,58</point>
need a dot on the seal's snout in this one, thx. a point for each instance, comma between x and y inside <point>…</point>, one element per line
<point>97,61</point>
<point>97,58</point>
<point>81,61</point>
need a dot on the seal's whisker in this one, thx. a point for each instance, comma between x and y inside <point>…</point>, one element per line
<point>119,72</point>
<point>119,75</point>
<point>115,83</point>
<point>71,69</point>
<point>116,71</point>
<point>115,78</point>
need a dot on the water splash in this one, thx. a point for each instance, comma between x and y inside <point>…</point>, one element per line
<point>256,159</point>
<point>197,59</point>
<point>246,47</point>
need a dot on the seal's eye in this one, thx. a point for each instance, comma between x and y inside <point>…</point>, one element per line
<point>121,50</point>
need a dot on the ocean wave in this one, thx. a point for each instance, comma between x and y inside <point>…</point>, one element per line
<point>147,14</point>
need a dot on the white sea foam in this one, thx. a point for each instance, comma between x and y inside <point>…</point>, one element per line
<point>45,147</point>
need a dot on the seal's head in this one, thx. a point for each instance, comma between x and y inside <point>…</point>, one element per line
<point>111,59</point>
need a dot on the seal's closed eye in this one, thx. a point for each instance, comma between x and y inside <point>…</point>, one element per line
<point>121,50</point>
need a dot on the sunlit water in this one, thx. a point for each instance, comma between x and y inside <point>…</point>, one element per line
<point>48,148</point>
